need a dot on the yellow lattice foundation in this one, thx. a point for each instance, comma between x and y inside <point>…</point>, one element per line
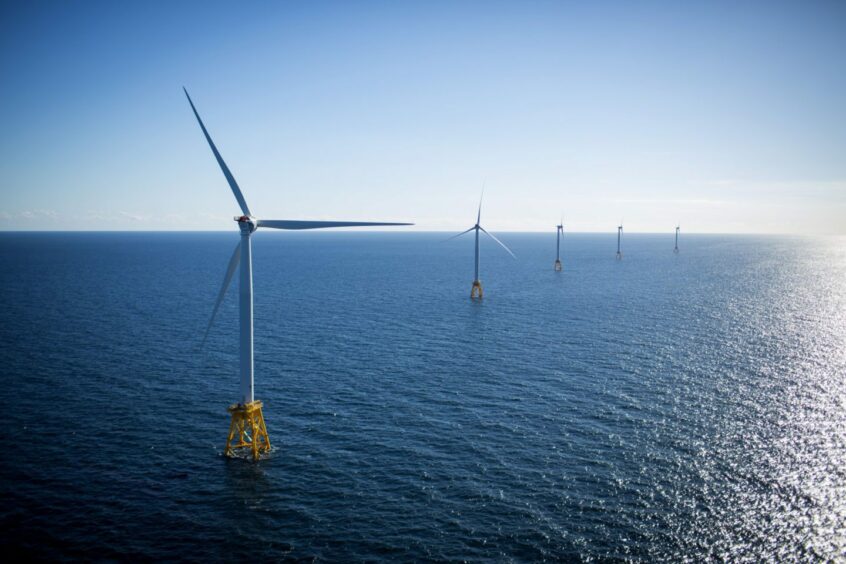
<point>476,290</point>
<point>247,430</point>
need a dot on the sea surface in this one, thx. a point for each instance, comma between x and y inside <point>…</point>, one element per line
<point>659,408</point>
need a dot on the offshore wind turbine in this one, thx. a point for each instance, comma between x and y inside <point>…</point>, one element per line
<point>619,237</point>
<point>247,427</point>
<point>476,289</point>
<point>559,232</point>
<point>676,249</point>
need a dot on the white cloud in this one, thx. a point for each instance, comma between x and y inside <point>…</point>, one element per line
<point>134,216</point>
<point>34,214</point>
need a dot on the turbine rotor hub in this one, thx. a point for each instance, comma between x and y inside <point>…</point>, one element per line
<point>247,224</point>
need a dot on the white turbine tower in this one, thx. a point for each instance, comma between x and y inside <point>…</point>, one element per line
<point>619,237</point>
<point>559,232</point>
<point>476,290</point>
<point>676,249</point>
<point>247,420</point>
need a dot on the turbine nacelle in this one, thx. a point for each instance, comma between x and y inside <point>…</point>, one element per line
<point>246,223</point>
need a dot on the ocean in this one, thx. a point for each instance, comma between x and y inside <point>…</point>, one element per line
<point>659,408</point>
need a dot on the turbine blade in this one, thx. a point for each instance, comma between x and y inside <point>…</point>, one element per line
<point>460,234</point>
<point>229,178</point>
<point>479,215</point>
<point>233,264</point>
<point>501,244</point>
<point>296,224</point>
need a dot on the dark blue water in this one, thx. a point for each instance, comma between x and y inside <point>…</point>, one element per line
<point>664,407</point>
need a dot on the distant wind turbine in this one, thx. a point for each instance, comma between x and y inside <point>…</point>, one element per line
<point>619,237</point>
<point>476,290</point>
<point>247,419</point>
<point>559,232</point>
<point>676,249</point>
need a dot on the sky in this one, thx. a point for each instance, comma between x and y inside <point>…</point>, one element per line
<point>723,117</point>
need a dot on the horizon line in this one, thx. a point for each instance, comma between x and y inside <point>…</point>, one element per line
<point>439,232</point>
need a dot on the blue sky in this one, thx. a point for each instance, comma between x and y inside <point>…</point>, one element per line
<point>723,116</point>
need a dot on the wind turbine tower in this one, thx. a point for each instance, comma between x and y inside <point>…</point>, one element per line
<point>559,232</point>
<point>247,429</point>
<point>676,249</point>
<point>476,289</point>
<point>619,238</point>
